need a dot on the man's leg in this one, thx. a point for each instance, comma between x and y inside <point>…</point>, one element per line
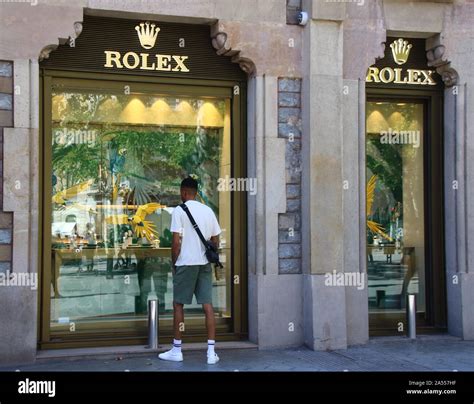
<point>178,319</point>
<point>174,354</point>
<point>184,279</point>
<point>212,357</point>
<point>210,321</point>
<point>204,296</point>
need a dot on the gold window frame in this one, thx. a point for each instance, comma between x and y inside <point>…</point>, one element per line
<point>131,332</point>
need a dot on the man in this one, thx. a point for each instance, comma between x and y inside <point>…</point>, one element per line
<point>192,272</point>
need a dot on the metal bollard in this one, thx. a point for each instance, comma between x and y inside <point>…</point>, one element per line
<point>411,316</point>
<point>153,318</point>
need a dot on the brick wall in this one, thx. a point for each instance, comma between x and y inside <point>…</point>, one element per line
<point>6,120</point>
<point>289,223</point>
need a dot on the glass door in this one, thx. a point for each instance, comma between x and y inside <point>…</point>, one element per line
<point>396,203</point>
<point>113,163</point>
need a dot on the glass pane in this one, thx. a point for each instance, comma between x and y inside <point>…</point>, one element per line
<point>117,163</point>
<point>395,205</point>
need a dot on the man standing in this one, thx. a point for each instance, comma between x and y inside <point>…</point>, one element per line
<point>192,272</point>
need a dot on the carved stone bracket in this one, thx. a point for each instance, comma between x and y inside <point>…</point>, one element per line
<point>221,44</point>
<point>45,52</point>
<point>435,56</point>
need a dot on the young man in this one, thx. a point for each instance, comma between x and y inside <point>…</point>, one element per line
<point>192,272</point>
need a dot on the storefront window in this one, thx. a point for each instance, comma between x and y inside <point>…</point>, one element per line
<point>117,163</point>
<point>395,205</point>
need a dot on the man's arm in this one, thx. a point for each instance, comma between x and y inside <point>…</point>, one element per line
<point>215,230</point>
<point>175,248</point>
<point>215,240</point>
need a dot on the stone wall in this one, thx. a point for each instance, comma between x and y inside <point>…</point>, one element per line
<point>293,8</point>
<point>333,50</point>
<point>6,120</point>
<point>289,223</point>
<point>258,32</point>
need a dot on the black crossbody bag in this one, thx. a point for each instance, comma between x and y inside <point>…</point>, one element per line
<point>211,250</point>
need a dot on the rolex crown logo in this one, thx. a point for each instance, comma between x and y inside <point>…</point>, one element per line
<point>400,51</point>
<point>147,34</point>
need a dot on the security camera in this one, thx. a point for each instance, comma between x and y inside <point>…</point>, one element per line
<point>302,18</point>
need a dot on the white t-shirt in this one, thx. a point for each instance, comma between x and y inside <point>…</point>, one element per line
<point>192,250</point>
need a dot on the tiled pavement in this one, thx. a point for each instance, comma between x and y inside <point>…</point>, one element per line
<point>427,353</point>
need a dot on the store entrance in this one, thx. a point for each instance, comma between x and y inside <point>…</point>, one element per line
<point>113,161</point>
<point>404,210</point>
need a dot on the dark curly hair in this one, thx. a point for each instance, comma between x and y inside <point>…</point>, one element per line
<point>190,183</point>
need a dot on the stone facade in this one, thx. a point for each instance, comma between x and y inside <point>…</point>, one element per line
<point>6,120</point>
<point>293,8</point>
<point>289,223</point>
<point>302,80</point>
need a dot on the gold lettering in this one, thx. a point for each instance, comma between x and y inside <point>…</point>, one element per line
<point>112,56</point>
<point>373,73</point>
<point>384,77</point>
<point>132,60</point>
<point>414,76</point>
<point>180,66</point>
<point>135,58</point>
<point>163,62</point>
<point>428,79</point>
<point>144,65</point>
<point>398,75</point>
<point>389,75</point>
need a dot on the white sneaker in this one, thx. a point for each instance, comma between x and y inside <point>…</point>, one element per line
<point>171,356</point>
<point>212,359</point>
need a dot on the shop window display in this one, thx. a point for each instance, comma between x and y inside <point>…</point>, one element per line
<point>395,205</point>
<point>117,162</point>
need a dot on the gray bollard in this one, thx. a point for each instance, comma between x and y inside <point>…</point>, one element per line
<point>411,316</point>
<point>153,318</point>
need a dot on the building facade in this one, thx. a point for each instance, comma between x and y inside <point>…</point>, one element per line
<point>336,153</point>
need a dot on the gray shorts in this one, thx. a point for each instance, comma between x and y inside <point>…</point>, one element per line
<point>192,279</point>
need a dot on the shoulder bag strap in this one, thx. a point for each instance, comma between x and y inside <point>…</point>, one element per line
<point>193,222</point>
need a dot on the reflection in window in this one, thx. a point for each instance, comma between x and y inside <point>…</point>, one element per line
<point>117,163</point>
<point>395,205</point>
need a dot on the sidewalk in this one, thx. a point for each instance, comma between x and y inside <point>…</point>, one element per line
<point>427,353</point>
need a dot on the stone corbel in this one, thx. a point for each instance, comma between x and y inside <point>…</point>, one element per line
<point>220,43</point>
<point>435,55</point>
<point>45,52</point>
